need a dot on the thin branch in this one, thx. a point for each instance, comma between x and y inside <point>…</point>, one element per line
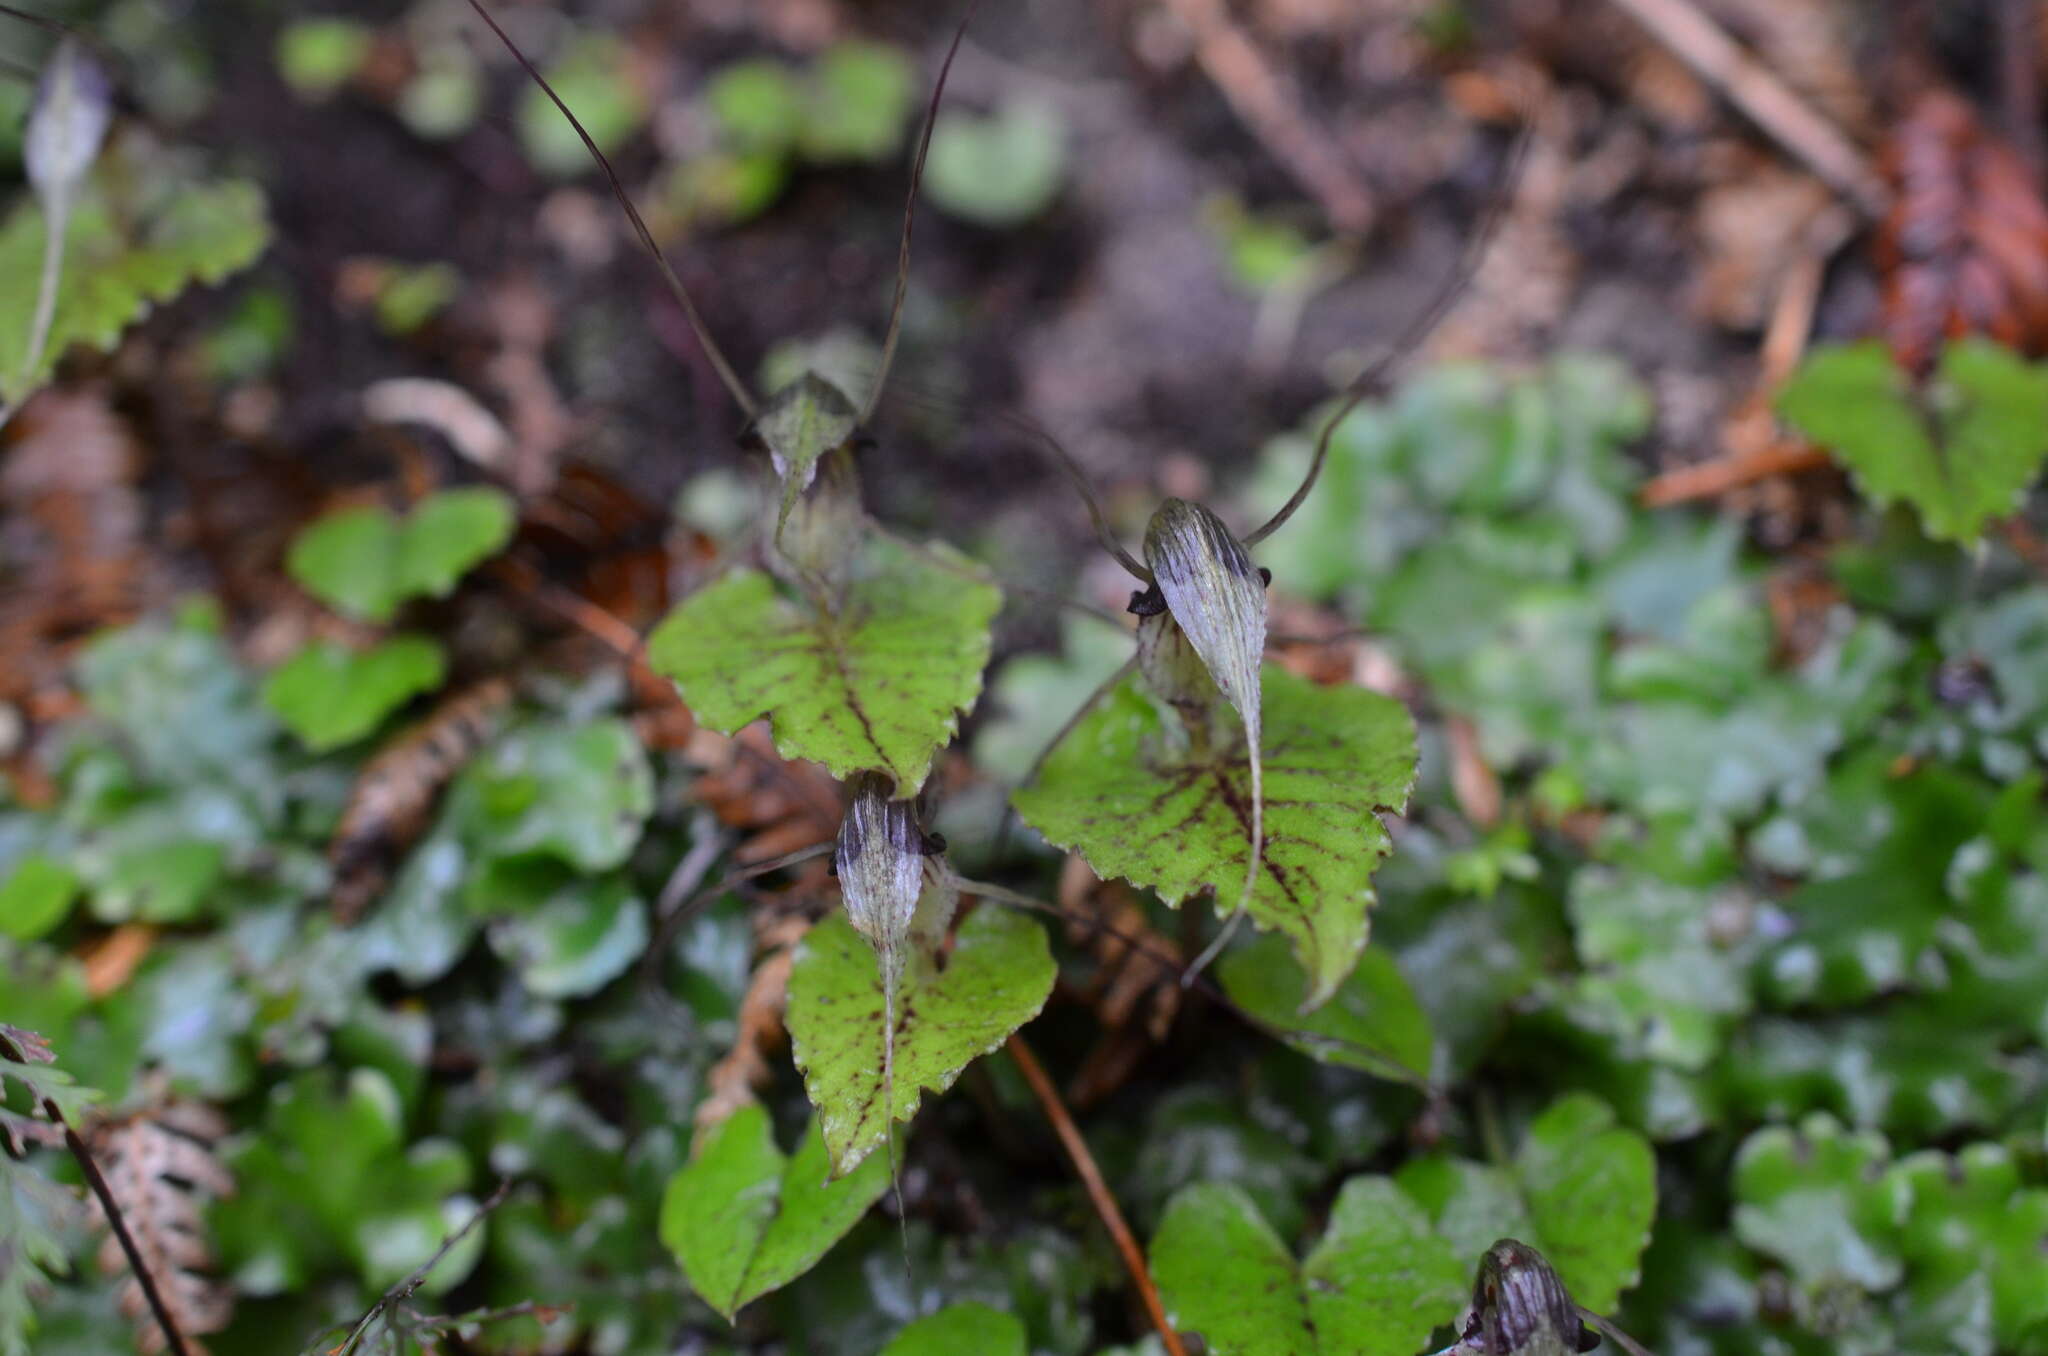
<point>406,1288</point>
<point>1710,479</point>
<point>1418,329</point>
<point>1098,1190</point>
<point>924,145</point>
<point>174,1341</point>
<point>528,584</point>
<point>724,369</point>
<point>1717,59</point>
<point>534,1309</point>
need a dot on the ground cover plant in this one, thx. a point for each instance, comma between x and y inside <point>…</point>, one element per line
<point>553,804</point>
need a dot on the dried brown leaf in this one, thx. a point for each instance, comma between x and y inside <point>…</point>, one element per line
<point>161,1169</point>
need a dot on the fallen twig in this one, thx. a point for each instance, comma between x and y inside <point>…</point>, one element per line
<point>1768,101</point>
<point>1707,479</point>
<point>1098,1190</point>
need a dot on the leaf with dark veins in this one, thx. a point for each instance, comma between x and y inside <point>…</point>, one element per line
<point>996,979</point>
<point>880,685</point>
<point>1123,791</point>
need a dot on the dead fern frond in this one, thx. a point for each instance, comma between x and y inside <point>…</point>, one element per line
<point>160,1167</point>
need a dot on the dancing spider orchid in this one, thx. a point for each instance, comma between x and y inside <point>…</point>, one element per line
<point>899,895</point>
<point>1202,633</point>
<point>1201,639</point>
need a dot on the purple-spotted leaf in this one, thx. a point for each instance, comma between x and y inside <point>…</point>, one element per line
<point>1128,790</point>
<point>878,682</point>
<point>995,979</point>
<point>1217,599</point>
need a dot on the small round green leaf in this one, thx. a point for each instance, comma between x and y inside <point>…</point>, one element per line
<point>364,562</point>
<point>579,794</point>
<point>1580,1189</point>
<point>759,105</point>
<point>330,696</point>
<point>36,895</point>
<point>1818,1199</point>
<point>594,76</point>
<point>861,93</point>
<point>316,57</point>
<point>1001,170</point>
<point>450,533</point>
<point>578,940</point>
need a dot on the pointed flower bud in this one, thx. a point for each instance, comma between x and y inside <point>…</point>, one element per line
<point>73,107</point>
<point>1218,598</point>
<point>1521,1308</point>
<point>880,858</point>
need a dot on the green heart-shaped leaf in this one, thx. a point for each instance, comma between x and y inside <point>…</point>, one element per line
<point>578,940</point>
<point>1379,1280</point>
<point>880,685</point>
<point>743,1220</point>
<point>1961,457</point>
<point>579,794</point>
<point>364,562</point>
<point>996,979</point>
<point>1116,791</point>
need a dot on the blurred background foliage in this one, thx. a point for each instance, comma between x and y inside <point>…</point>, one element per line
<point>1727,853</point>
